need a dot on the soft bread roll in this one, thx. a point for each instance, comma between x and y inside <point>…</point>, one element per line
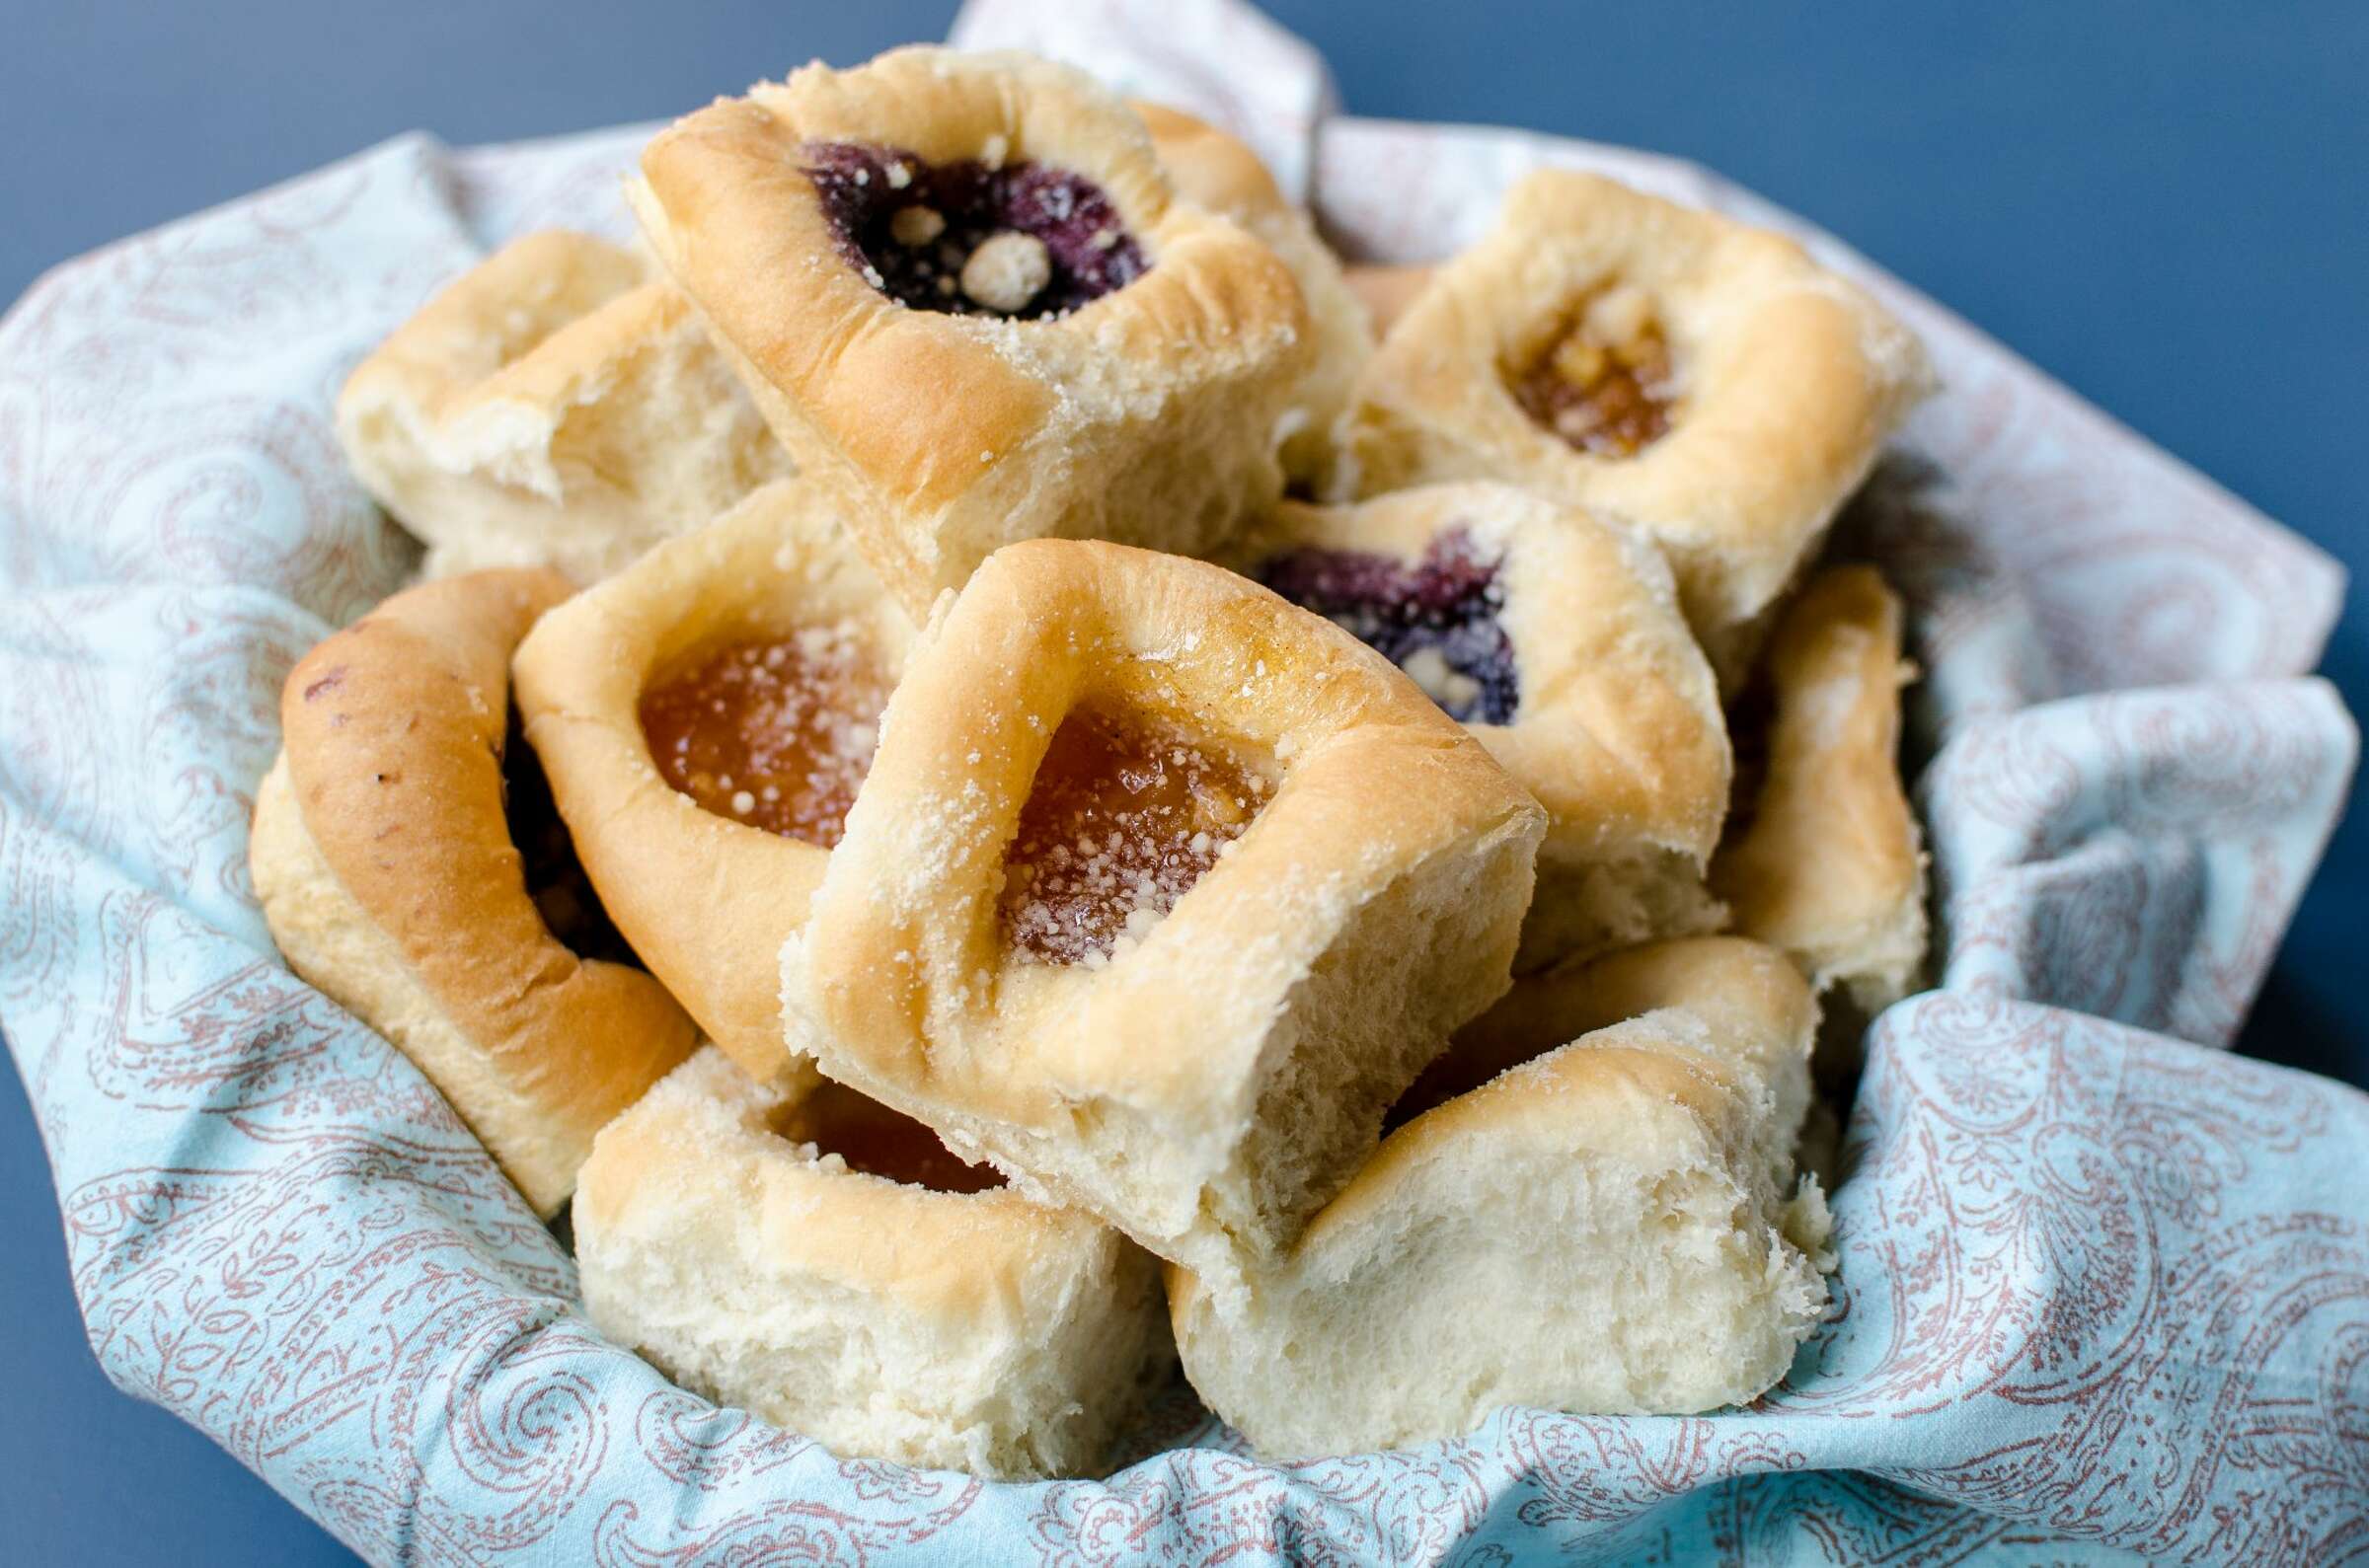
<point>1557,640</point>
<point>1222,173</point>
<point>383,854</point>
<point>1118,371</point>
<point>1744,992</point>
<point>1598,1229</point>
<point>1828,863</point>
<point>771,1248</point>
<point>707,898</point>
<point>1667,369</point>
<point>553,406</point>
<point>1186,1016</point>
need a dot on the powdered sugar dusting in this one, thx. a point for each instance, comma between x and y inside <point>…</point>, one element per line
<point>777,733</point>
<point>1126,816</point>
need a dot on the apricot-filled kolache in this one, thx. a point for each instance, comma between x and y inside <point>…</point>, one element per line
<point>775,731</point>
<point>1604,384</point>
<point>1082,857</point>
<point>1672,371</point>
<point>1304,874</point>
<point>706,716</point>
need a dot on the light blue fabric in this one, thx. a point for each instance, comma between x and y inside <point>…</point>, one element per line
<point>2102,1292</point>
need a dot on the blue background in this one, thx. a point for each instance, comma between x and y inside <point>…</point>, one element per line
<point>2163,206</point>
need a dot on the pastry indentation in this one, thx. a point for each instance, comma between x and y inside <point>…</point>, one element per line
<point>774,732</point>
<point>1437,618</point>
<point>869,1138</point>
<point>1019,240</point>
<point>563,894</point>
<point>1125,817</point>
<point>1606,383</point>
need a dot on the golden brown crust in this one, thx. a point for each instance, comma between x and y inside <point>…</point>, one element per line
<point>943,435</point>
<point>1222,173</point>
<point>487,322</point>
<point>904,989</point>
<point>394,729</point>
<point>1829,865</point>
<point>705,901</point>
<point>1388,290</point>
<point>1789,380</point>
<point>1207,166</point>
<point>552,405</point>
<point>1617,731</point>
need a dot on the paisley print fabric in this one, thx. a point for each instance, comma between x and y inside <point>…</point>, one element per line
<point>2104,1288</point>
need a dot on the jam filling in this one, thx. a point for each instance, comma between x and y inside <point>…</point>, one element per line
<point>555,878</point>
<point>973,238</point>
<point>778,735</point>
<point>1606,384</point>
<point>880,1142</point>
<point>1437,618</point>
<point>1125,817</point>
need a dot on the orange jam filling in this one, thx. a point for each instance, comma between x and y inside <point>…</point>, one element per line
<point>880,1142</point>
<point>1606,384</point>
<point>777,734</point>
<point>1125,817</point>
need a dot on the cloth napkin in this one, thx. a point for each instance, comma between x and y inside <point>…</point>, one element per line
<point>2103,1287</point>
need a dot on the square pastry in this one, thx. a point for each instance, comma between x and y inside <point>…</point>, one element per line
<point>1556,640</point>
<point>1823,857</point>
<point>1669,369</point>
<point>1590,1206</point>
<point>553,406</point>
<point>796,1251</point>
<point>706,716</point>
<point>967,297</point>
<point>411,866</point>
<point>1159,893</point>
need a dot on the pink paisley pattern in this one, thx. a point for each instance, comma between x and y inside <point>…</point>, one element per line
<point>2135,855</point>
<point>2104,1292</point>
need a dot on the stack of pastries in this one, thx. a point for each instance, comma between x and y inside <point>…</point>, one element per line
<point>1007,774</point>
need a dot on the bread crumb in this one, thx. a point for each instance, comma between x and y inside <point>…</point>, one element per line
<point>1441,681</point>
<point>1007,270</point>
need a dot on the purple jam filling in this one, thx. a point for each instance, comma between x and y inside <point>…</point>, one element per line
<point>555,879</point>
<point>1446,603</point>
<point>864,188</point>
